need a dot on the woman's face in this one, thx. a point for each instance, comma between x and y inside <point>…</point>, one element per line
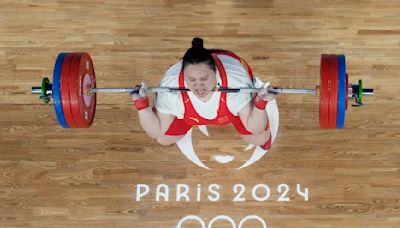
<point>200,79</point>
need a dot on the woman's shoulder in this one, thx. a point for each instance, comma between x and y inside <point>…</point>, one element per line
<point>229,60</point>
<point>171,75</point>
<point>236,72</point>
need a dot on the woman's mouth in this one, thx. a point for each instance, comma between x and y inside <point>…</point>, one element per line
<point>200,91</point>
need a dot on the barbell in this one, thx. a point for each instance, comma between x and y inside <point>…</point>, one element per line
<point>74,90</point>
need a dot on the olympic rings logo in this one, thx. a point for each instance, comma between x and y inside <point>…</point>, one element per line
<point>221,217</point>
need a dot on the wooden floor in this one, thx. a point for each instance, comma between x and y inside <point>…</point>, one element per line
<point>51,177</point>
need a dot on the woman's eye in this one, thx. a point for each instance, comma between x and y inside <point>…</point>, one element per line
<point>192,79</point>
<point>204,79</point>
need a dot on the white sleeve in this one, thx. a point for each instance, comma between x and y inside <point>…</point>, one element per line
<point>170,102</point>
<point>238,77</point>
<point>239,101</point>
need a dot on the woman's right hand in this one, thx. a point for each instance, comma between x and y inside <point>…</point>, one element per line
<point>142,91</point>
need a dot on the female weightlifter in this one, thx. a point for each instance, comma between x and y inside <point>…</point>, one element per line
<point>201,70</point>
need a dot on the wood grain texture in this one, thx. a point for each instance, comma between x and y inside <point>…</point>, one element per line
<point>52,177</point>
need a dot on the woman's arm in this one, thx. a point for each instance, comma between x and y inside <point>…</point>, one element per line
<point>253,115</point>
<point>155,124</point>
<point>253,119</point>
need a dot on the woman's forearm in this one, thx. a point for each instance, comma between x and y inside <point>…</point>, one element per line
<point>150,122</point>
<point>257,120</point>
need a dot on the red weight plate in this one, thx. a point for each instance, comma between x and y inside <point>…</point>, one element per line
<point>88,81</point>
<point>65,98</point>
<point>333,89</point>
<point>324,92</point>
<point>87,100</point>
<point>83,103</point>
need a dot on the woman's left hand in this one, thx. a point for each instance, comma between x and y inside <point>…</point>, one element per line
<point>264,94</point>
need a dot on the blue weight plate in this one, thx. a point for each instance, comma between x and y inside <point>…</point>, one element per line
<point>342,88</point>
<point>57,92</point>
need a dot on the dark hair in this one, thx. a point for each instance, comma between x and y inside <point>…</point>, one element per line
<point>198,54</point>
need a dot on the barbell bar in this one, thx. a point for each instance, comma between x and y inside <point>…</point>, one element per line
<point>74,90</point>
<point>276,90</point>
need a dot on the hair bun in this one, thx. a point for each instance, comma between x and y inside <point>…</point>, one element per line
<point>197,42</point>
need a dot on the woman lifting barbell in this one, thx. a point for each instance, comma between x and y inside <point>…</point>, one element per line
<point>200,71</point>
<point>196,78</point>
